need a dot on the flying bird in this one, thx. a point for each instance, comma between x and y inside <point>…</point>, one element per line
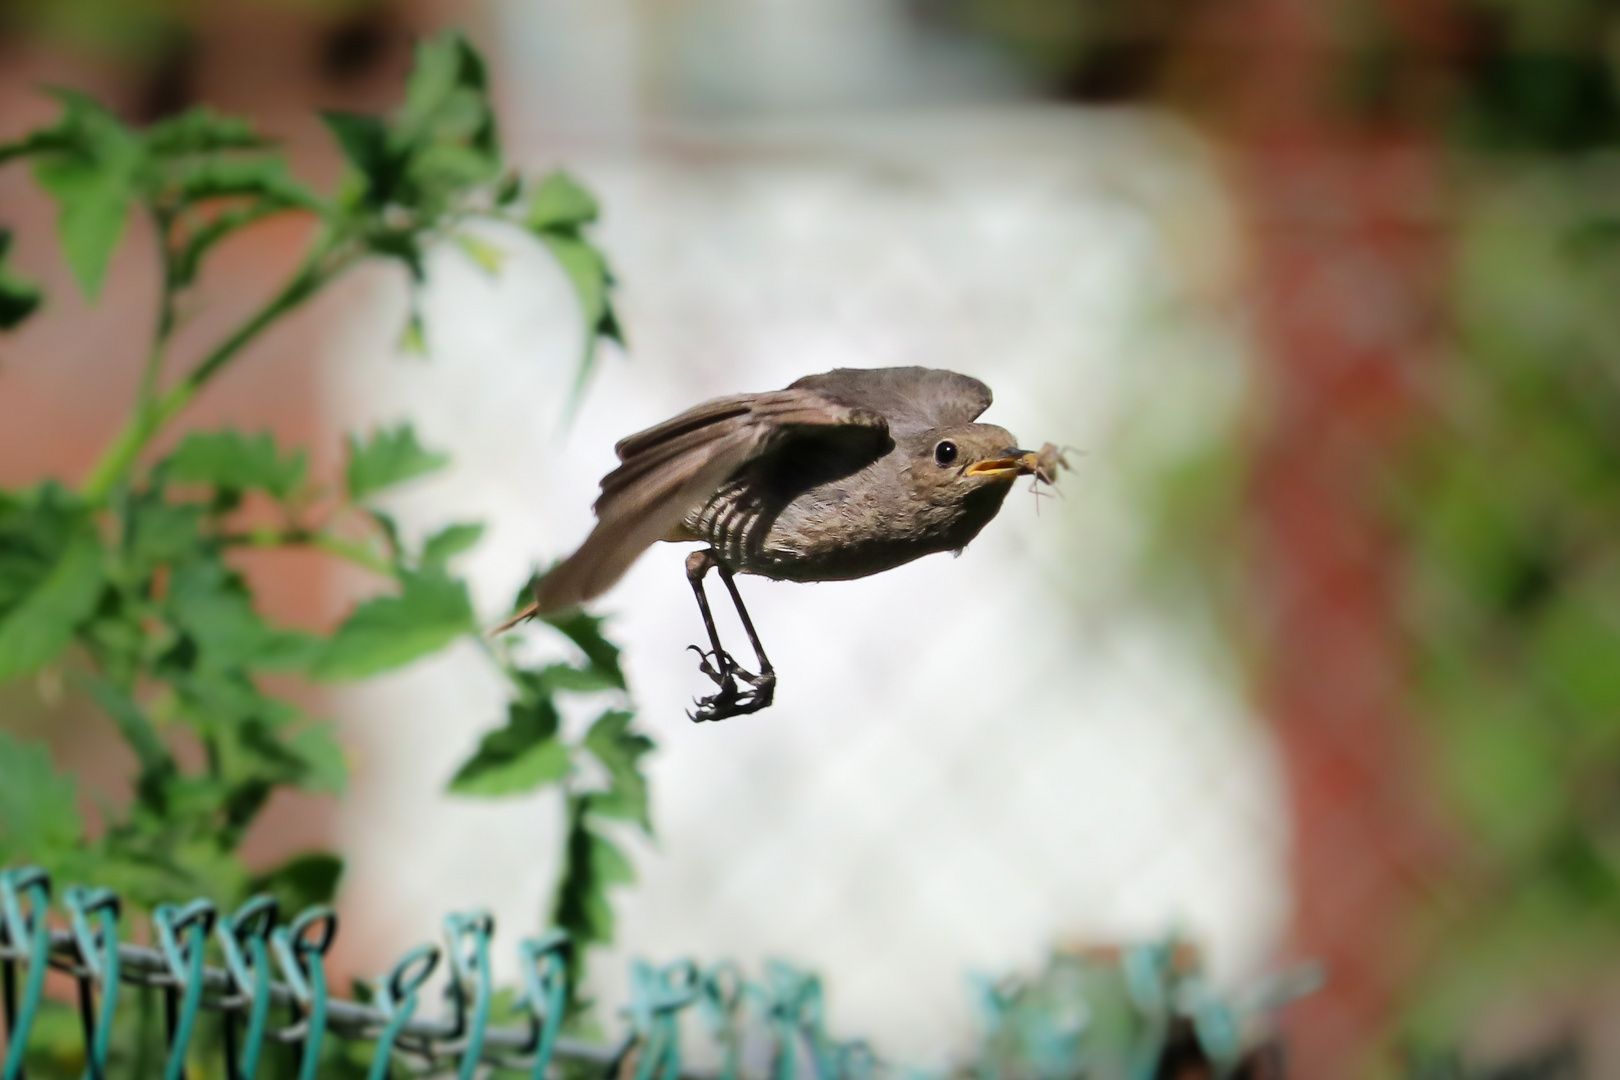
<point>841,475</point>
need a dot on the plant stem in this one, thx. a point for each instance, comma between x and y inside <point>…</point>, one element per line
<point>163,220</point>
<point>120,457</point>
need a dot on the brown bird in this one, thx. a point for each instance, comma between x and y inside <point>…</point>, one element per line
<point>841,475</point>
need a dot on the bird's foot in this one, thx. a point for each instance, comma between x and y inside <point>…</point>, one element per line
<point>730,699</point>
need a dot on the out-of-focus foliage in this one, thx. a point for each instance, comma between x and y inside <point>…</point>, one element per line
<point>135,28</point>
<point>128,586</point>
<point>1514,611</point>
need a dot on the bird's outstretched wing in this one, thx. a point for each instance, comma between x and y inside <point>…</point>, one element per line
<point>913,398</point>
<point>672,468</point>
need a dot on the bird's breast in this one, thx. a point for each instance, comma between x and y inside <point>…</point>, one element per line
<point>832,532</point>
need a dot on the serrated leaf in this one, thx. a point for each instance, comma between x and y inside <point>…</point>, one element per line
<point>39,812</point>
<point>560,202</point>
<point>585,631</point>
<point>431,611</point>
<point>543,763</point>
<point>620,751</point>
<point>200,130</point>
<point>234,462</point>
<point>157,767</point>
<point>489,257</point>
<point>592,864</point>
<point>18,298</point>
<point>447,108</point>
<point>391,456</point>
<point>260,178</point>
<point>364,142</point>
<point>42,624</point>
<point>162,532</point>
<point>522,755</point>
<point>211,603</point>
<point>90,172</point>
<point>35,528</point>
<point>449,542</point>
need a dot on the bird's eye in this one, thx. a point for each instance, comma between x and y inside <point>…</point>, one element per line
<point>945,452</point>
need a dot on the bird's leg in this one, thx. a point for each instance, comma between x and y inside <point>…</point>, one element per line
<point>765,682</point>
<point>729,700</point>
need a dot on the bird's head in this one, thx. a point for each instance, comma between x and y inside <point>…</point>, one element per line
<point>951,463</point>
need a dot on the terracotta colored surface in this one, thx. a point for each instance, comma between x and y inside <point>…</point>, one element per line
<point>1348,248</point>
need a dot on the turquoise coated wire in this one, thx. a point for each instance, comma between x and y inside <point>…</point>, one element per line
<point>195,920</point>
<point>35,930</point>
<point>545,963</point>
<point>397,998</point>
<point>1149,971</point>
<point>252,923</point>
<point>303,964</point>
<point>99,955</point>
<point>469,936</point>
<point>794,1009</point>
<point>720,1000</point>
<point>657,995</point>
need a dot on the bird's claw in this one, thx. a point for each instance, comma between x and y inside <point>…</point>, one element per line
<point>731,700</point>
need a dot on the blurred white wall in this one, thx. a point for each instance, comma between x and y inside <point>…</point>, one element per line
<point>969,759</point>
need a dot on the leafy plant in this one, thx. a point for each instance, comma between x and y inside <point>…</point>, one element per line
<point>128,583</point>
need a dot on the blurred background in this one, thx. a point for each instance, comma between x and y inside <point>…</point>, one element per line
<point>1315,655</point>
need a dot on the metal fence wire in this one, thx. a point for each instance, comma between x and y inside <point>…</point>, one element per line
<point>1035,1030</point>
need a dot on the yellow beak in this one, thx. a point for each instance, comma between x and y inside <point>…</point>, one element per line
<point>1008,467</point>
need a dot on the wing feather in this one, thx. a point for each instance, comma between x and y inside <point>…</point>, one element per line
<point>674,467</point>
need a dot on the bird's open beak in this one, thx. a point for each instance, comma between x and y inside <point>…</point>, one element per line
<point>1017,463</point>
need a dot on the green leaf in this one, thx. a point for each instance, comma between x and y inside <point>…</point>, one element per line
<point>585,680</point>
<point>326,767</point>
<point>559,202</point>
<point>389,457</point>
<point>39,812</point>
<point>212,604</point>
<point>413,336</point>
<point>265,179</point>
<point>592,864</point>
<point>199,131</point>
<point>157,766</point>
<point>91,172</point>
<point>489,257</point>
<point>519,757</point>
<point>586,270</point>
<point>487,776</point>
<point>162,532</point>
<point>385,633</point>
<point>364,141</point>
<point>447,123</point>
<point>40,627</point>
<point>18,298</point>
<point>449,542</point>
<point>620,751</point>
<point>234,462</point>
<point>585,631</point>
<point>301,882</point>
